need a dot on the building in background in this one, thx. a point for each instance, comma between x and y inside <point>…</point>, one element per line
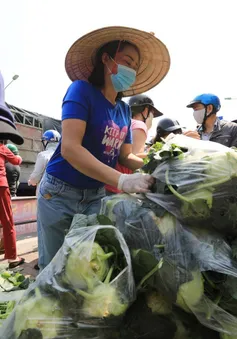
<point>31,126</point>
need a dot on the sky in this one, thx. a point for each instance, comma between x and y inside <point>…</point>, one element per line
<point>200,36</point>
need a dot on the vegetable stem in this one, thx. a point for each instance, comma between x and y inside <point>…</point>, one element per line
<point>178,195</point>
<point>209,281</point>
<point>107,279</point>
<point>85,294</point>
<point>207,185</point>
<point>159,246</point>
<point>106,256</point>
<point>149,274</point>
<point>216,302</point>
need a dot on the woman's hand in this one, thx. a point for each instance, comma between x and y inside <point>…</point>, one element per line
<point>135,183</point>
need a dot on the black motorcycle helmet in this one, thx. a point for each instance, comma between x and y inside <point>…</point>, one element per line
<point>139,102</point>
<point>166,126</point>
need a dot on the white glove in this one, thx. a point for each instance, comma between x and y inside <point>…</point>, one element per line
<point>135,183</point>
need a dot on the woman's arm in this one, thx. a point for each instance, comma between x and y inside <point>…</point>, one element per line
<point>12,158</point>
<point>128,159</point>
<point>80,158</point>
<point>139,139</point>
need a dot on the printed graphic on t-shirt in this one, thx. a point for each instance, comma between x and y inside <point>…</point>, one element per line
<point>113,139</point>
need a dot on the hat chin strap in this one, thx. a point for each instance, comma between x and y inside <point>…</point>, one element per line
<point>145,118</point>
<point>44,144</point>
<point>206,117</point>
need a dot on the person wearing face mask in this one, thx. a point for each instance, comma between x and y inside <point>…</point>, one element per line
<point>210,127</point>
<point>104,65</point>
<point>143,112</point>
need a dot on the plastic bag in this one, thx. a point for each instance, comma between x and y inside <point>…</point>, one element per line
<point>198,184</point>
<point>82,293</point>
<point>191,267</point>
<point>195,144</point>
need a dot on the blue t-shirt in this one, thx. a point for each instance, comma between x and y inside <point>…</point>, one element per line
<point>108,127</point>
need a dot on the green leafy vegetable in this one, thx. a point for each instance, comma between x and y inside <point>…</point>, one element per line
<point>160,152</point>
<point>6,308</point>
<point>10,281</point>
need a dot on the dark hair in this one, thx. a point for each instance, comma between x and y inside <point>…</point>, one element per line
<point>214,110</point>
<point>162,133</point>
<point>97,75</point>
<point>139,109</point>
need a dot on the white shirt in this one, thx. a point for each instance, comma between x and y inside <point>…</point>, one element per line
<point>41,163</point>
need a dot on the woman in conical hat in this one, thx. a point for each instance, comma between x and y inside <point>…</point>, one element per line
<point>104,66</point>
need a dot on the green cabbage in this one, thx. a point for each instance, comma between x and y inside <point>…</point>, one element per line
<point>38,312</point>
<point>103,301</point>
<point>83,271</point>
<point>158,303</point>
<point>167,224</point>
<point>221,165</point>
<point>191,292</point>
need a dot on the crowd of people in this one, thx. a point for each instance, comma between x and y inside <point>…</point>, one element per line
<point>104,139</point>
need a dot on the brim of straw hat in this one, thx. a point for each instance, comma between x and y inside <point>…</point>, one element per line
<point>155,59</point>
<point>7,132</point>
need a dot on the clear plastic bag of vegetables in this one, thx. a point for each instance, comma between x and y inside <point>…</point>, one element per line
<point>192,268</point>
<point>82,293</point>
<point>196,181</point>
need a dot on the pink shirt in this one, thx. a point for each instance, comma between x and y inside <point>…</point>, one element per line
<point>135,124</point>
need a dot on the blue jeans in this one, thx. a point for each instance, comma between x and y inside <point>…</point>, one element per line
<point>58,202</point>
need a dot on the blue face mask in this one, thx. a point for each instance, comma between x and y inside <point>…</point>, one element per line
<point>124,78</point>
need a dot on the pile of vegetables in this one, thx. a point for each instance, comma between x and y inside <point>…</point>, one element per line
<point>198,186</point>
<point>86,289</point>
<point>159,266</point>
<point>11,285</point>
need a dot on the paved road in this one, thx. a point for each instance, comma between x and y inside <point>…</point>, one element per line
<point>27,248</point>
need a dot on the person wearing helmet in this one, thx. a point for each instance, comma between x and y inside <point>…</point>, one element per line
<point>210,127</point>
<point>50,140</point>
<point>13,172</point>
<point>143,111</point>
<point>166,126</point>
